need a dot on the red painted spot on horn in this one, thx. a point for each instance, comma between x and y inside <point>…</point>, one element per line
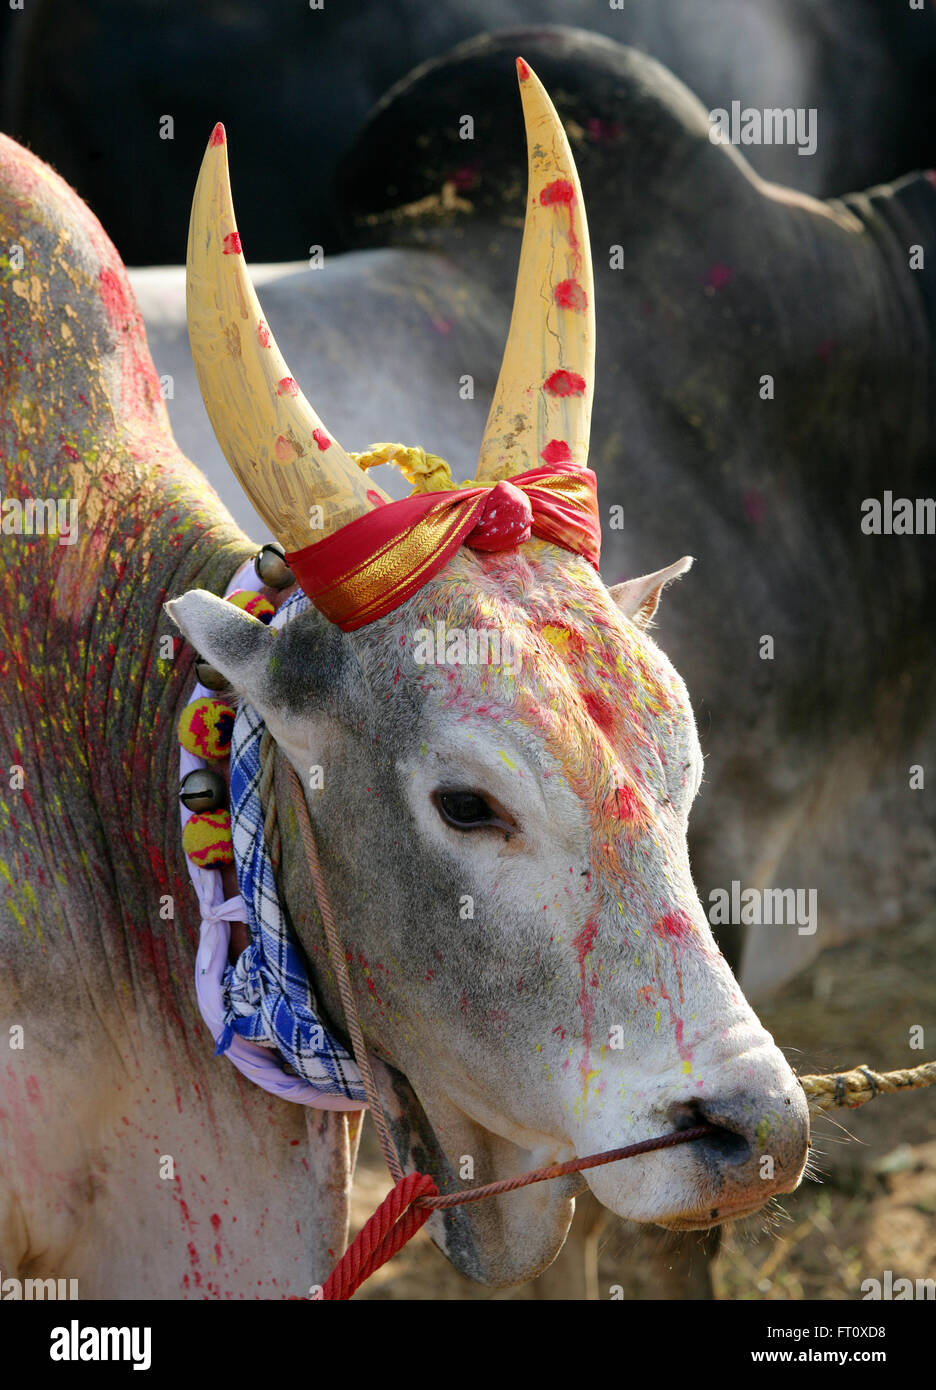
<point>561,193</point>
<point>563,383</point>
<point>263,334</point>
<point>321,439</point>
<point>284,449</point>
<point>556,451</point>
<point>558,193</point>
<point>378,501</point>
<point>232,244</point>
<point>217,135</point>
<point>523,70</point>
<point>569,294</point>
<point>286,386</point>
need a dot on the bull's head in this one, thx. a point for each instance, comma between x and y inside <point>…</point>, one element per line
<point>504,844</point>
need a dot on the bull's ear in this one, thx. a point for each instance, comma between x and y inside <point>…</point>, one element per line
<point>638,598</point>
<point>236,644</point>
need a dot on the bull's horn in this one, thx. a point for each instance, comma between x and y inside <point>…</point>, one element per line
<point>281,453</point>
<point>542,403</point>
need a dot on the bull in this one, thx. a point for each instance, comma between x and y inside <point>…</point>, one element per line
<point>558,798</point>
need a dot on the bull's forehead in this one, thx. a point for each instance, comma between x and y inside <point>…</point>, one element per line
<point>567,672</point>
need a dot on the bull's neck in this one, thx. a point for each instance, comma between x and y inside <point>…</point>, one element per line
<point>173,541</point>
<point>101,675</point>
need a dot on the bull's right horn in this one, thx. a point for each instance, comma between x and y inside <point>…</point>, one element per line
<point>541,413</point>
<point>281,454</point>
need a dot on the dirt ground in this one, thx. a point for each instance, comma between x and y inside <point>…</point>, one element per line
<point>872,1203</point>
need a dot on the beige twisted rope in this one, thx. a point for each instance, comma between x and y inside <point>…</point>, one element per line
<point>342,977</point>
<point>861,1084</point>
<point>271,835</point>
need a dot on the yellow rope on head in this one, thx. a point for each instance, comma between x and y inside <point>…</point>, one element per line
<point>426,472</point>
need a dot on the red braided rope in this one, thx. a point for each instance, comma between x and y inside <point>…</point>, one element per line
<point>394,1222</point>
<point>408,1206</point>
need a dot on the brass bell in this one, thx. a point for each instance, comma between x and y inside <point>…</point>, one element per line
<point>203,790</point>
<point>270,564</point>
<point>209,675</point>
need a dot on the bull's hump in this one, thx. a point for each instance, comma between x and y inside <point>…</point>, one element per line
<point>76,369</point>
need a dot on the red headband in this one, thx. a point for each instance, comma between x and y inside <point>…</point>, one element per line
<point>373,564</point>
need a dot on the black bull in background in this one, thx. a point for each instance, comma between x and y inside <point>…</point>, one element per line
<point>87,84</point>
<point>765,371</point>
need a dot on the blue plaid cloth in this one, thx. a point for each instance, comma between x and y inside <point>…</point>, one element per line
<point>268,996</point>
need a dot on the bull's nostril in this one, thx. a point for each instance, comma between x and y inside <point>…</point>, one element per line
<point>725,1145</point>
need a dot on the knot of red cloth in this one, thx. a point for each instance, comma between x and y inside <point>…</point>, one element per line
<point>507,520</point>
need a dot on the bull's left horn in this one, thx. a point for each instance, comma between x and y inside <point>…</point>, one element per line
<point>541,412</point>
<point>281,453</point>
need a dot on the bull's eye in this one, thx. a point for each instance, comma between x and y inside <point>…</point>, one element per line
<point>466,810</point>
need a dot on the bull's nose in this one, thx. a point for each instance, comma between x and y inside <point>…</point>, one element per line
<point>758,1148</point>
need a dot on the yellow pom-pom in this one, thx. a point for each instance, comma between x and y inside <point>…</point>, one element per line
<point>253,603</point>
<point>205,727</point>
<point>206,839</point>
